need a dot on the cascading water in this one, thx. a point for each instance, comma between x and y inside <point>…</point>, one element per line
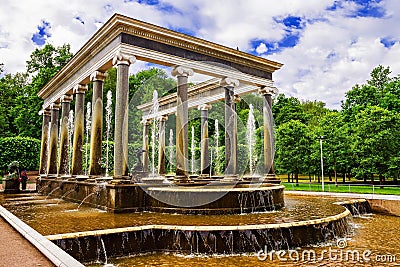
<point>251,140</point>
<point>192,150</point>
<point>48,142</point>
<point>52,191</point>
<point>108,127</point>
<point>88,127</point>
<point>70,131</point>
<point>171,150</point>
<point>216,140</point>
<point>154,134</point>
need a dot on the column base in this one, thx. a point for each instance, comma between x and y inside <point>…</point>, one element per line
<point>181,180</point>
<point>271,178</point>
<point>204,176</point>
<point>229,178</point>
<point>120,180</point>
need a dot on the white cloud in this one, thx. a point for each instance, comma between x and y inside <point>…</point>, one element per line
<point>261,48</point>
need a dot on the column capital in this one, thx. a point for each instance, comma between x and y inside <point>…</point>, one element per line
<point>268,90</point>
<point>145,121</point>
<point>66,98</point>
<point>182,71</point>
<point>237,98</point>
<point>98,76</point>
<point>80,88</point>
<point>163,118</point>
<point>55,106</point>
<point>204,107</point>
<point>229,82</point>
<point>123,59</point>
<point>44,112</point>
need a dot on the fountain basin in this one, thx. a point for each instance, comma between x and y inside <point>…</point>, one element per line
<point>215,198</point>
<point>87,233</point>
<point>90,245</point>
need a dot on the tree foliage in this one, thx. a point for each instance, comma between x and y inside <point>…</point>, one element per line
<point>25,150</point>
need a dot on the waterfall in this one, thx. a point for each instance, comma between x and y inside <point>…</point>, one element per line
<point>192,150</point>
<point>251,140</point>
<point>171,149</point>
<point>70,127</point>
<point>154,134</point>
<point>88,127</point>
<point>216,138</point>
<point>108,127</point>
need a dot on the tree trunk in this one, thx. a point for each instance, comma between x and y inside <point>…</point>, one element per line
<point>330,176</point>
<point>319,180</point>
<point>288,177</point>
<point>372,178</point>
<point>297,178</point>
<point>381,180</point>
<point>365,178</point>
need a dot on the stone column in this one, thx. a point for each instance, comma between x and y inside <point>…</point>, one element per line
<point>77,151</point>
<point>182,74</point>
<point>269,173</point>
<point>53,142</point>
<point>161,146</point>
<point>45,139</point>
<point>145,156</point>
<point>97,123</point>
<point>122,62</point>
<point>63,167</point>
<point>230,129</point>
<point>204,152</point>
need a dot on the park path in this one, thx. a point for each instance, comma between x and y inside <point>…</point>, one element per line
<point>16,251</point>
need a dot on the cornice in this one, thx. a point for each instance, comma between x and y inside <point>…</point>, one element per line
<point>195,44</point>
<point>118,24</point>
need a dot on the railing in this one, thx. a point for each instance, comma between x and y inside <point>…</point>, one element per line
<point>345,188</point>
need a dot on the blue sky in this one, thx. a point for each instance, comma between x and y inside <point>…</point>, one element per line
<point>327,46</point>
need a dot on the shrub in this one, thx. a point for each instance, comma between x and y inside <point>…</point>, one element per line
<point>25,150</point>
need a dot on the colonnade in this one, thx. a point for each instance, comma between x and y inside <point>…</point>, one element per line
<point>50,143</point>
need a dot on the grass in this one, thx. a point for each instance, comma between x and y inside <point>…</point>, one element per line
<point>343,188</point>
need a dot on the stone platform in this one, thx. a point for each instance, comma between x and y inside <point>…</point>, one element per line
<point>214,198</point>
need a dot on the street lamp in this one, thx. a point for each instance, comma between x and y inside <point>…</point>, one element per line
<point>322,162</point>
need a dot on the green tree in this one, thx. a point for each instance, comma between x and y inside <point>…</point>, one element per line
<point>12,87</point>
<point>377,143</point>
<point>337,144</point>
<point>285,109</point>
<point>293,141</point>
<point>44,63</point>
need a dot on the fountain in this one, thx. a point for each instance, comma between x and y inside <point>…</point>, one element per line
<point>192,149</point>
<point>88,128</point>
<point>216,141</point>
<point>108,128</point>
<point>154,133</point>
<point>171,150</point>
<point>216,215</point>
<point>66,194</point>
<point>251,140</point>
<point>204,216</point>
<point>70,127</point>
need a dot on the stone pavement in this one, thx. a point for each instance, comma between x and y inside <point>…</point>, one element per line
<point>16,251</point>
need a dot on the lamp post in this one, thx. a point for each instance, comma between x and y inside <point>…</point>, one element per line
<point>322,162</point>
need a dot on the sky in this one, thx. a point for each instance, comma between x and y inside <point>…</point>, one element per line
<point>326,46</point>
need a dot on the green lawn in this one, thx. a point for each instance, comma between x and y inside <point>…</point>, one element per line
<point>343,188</point>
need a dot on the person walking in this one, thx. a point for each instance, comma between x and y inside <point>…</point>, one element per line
<point>24,179</point>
